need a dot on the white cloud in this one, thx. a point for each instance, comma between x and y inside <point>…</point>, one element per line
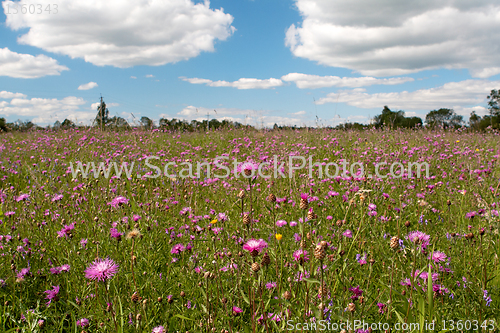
<point>9,95</point>
<point>46,111</point>
<point>94,106</point>
<point>299,113</point>
<point>244,116</point>
<point>150,76</point>
<point>26,66</point>
<point>243,83</point>
<point>307,81</point>
<point>133,77</point>
<point>393,37</point>
<point>461,96</point>
<point>87,86</point>
<point>124,33</point>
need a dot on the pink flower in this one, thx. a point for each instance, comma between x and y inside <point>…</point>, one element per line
<point>22,197</point>
<point>300,256</point>
<point>438,256</point>
<point>158,329</point>
<point>249,165</point>
<point>101,270</point>
<point>419,238</point>
<point>118,201</point>
<point>254,245</point>
<point>84,322</point>
<point>280,223</point>
<point>52,294</point>
<point>347,233</point>
<point>236,311</point>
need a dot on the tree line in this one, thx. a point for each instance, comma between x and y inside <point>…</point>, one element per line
<point>441,118</point>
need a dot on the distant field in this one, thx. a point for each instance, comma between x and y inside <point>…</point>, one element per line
<point>301,250</point>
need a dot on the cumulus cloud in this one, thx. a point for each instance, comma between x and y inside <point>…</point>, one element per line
<point>9,95</point>
<point>44,111</point>
<point>463,97</point>
<point>26,66</point>
<point>395,37</point>
<point>257,118</point>
<point>243,83</point>
<point>307,81</point>
<point>124,33</point>
<point>87,86</point>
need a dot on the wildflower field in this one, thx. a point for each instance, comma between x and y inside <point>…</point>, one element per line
<point>247,253</point>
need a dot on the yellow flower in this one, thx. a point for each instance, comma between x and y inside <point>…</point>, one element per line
<point>457,141</point>
<point>213,221</point>
<point>279,236</point>
<point>477,149</point>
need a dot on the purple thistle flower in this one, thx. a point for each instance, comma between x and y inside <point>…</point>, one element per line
<point>357,292</point>
<point>115,234</point>
<point>52,294</point>
<point>158,329</point>
<point>281,223</point>
<point>255,245</point>
<point>101,270</point>
<point>437,256</point>
<point>178,248</point>
<point>84,322</point>
<point>347,233</point>
<point>22,197</point>
<point>118,201</point>
<point>419,238</point>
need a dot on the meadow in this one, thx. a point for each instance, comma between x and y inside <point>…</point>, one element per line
<point>249,254</point>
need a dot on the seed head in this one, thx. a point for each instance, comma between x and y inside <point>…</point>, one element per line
<point>255,267</point>
<point>319,253</point>
<point>134,233</point>
<point>394,242</point>
<point>266,260</point>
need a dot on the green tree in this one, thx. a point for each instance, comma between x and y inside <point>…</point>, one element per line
<point>147,123</point>
<point>474,120</point>
<point>395,119</point>
<point>102,117</point>
<point>494,107</point>
<point>67,124</point>
<point>3,125</point>
<point>443,118</point>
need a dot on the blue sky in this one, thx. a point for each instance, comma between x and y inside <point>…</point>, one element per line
<point>257,62</point>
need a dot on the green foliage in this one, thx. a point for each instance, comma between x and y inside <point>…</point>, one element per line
<point>199,302</point>
<point>443,118</point>
<point>395,119</point>
<point>102,117</point>
<point>3,125</point>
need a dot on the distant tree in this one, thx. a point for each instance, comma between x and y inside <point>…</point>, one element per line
<point>494,107</point>
<point>445,118</point>
<point>102,117</point>
<point>3,125</point>
<point>147,123</point>
<point>118,123</point>
<point>474,120</point>
<point>67,124</point>
<point>395,119</point>
<point>22,126</point>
